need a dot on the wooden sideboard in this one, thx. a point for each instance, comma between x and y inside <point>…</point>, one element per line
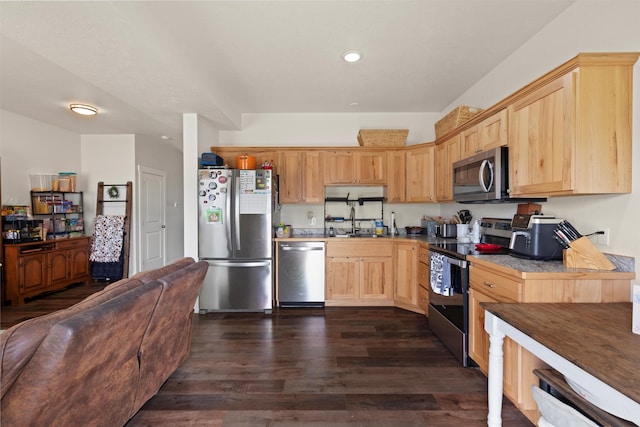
<point>33,268</point>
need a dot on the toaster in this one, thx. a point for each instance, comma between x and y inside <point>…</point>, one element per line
<point>532,237</point>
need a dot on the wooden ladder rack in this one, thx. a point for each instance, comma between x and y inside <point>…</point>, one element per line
<point>126,238</point>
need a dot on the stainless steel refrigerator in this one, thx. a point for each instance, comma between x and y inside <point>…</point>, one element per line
<point>235,237</point>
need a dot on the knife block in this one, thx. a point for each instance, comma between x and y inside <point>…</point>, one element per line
<point>583,254</point>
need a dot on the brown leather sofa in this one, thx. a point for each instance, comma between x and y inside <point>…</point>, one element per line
<point>97,362</point>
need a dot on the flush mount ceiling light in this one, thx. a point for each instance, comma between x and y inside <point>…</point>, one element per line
<point>352,56</point>
<point>85,110</point>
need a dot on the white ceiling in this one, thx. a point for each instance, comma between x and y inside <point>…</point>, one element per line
<point>144,64</point>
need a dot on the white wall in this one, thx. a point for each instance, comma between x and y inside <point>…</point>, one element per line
<point>309,129</point>
<point>28,146</point>
<point>586,26</point>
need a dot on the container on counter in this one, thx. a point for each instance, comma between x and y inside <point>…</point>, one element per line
<point>67,181</point>
<point>41,181</point>
<point>379,227</point>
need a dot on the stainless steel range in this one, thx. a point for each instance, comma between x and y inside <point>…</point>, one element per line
<point>449,280</point>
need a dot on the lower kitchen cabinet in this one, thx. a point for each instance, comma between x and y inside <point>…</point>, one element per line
<point>406,275</point>
<point>489,282</point>
<point>359,273</point>
<point>37,267</point>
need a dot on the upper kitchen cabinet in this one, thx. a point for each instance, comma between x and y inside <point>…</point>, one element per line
<point>570,130</point>
<point>421,174</point>
<point>300,177</point>
<point>354,167</point>
<point>447,153</point>
<point>396,176</point>
<point>489,133</point>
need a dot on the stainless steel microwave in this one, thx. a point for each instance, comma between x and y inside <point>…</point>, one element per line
<point>483,177</point>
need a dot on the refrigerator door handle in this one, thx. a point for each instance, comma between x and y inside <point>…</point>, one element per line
<point>228,225</point>
<point>240,264</point>
<point>237,212</point>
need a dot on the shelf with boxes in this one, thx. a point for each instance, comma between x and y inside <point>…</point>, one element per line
<point>18,225</point>
<point>61,213</point>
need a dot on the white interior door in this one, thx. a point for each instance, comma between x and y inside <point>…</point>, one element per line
<point>151,218</point>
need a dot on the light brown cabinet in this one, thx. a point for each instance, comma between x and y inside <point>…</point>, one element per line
<point>354,167</point>
<point>406,275</point>
<point>300,177</point>
<point>33,268</point>
<point>421,174</point>
<point>570,132</point>
<point>359,273</point>
<point>491,283</point>
<point>489,133</point>
<point>396,176</point>
<point>230,155</point>
<point>447,153</point>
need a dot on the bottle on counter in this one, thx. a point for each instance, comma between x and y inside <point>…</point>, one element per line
<point>475,232</point>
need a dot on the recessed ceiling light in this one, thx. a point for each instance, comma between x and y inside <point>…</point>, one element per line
<point>85,110</point>
<point>352,56</point>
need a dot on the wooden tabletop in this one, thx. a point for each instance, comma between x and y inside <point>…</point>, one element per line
<point>595,337</point>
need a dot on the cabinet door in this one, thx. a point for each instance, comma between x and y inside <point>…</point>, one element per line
<point>478,338</point>
<point>421,174</point>
<point>57,263</point>
<point>339,167</point>
<point>470,140</point>
<point>396,176</point>
<point>371,167</point>
<point>313,187</point>
<point>32,272</point>
<point>78,263</point>
<point>540,155</point>
<point>406,290</point>
<point>376,277</point>
<point>446,154</point>
<point>342,278</point>
<point>493,131</point>
<point>291,190</point>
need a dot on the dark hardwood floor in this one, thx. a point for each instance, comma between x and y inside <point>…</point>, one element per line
<point>311,367</point>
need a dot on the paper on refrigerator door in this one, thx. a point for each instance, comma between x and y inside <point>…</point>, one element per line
<point>255,197</point>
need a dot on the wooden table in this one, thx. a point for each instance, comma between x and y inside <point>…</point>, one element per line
<point>592,344</point>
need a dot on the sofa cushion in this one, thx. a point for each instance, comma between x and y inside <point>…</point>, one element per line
<point>18,343</point>
<point>167,340</point>
<point>85,371</point>
<point>150,275</point>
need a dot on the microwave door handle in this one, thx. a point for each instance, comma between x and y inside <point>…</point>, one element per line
<point>483,165</point>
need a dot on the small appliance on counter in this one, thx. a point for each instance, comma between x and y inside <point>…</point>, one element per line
<point>532,237</point>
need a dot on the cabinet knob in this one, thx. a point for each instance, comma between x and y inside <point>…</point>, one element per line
<point>489,285</point>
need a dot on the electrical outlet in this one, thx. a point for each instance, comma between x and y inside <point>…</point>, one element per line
<point>312,221</point>
<point>603,239</point>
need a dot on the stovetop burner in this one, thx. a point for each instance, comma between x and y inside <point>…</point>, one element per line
<point>495,231</point>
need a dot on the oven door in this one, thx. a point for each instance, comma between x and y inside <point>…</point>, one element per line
<point>448,313</point>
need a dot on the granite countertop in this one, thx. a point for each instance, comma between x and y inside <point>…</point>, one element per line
<point>625,266</point>
<point>530,268</point>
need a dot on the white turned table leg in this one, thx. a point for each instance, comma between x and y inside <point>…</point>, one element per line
<point>496,368</point>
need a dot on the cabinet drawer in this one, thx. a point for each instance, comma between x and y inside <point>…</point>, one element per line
<point>423,299</point>
<point>495,285</point>
<point>359,250</point>
<point>423,255</point>
<point>71,243</point>
<point>423,275</point>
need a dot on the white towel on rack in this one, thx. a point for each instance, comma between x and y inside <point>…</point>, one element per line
<point>440,274</point>
<point>107,238</point>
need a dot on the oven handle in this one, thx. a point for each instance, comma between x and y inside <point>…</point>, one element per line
<point>455,261</point>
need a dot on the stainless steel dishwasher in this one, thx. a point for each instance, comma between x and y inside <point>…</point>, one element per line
<point>300,274</point>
